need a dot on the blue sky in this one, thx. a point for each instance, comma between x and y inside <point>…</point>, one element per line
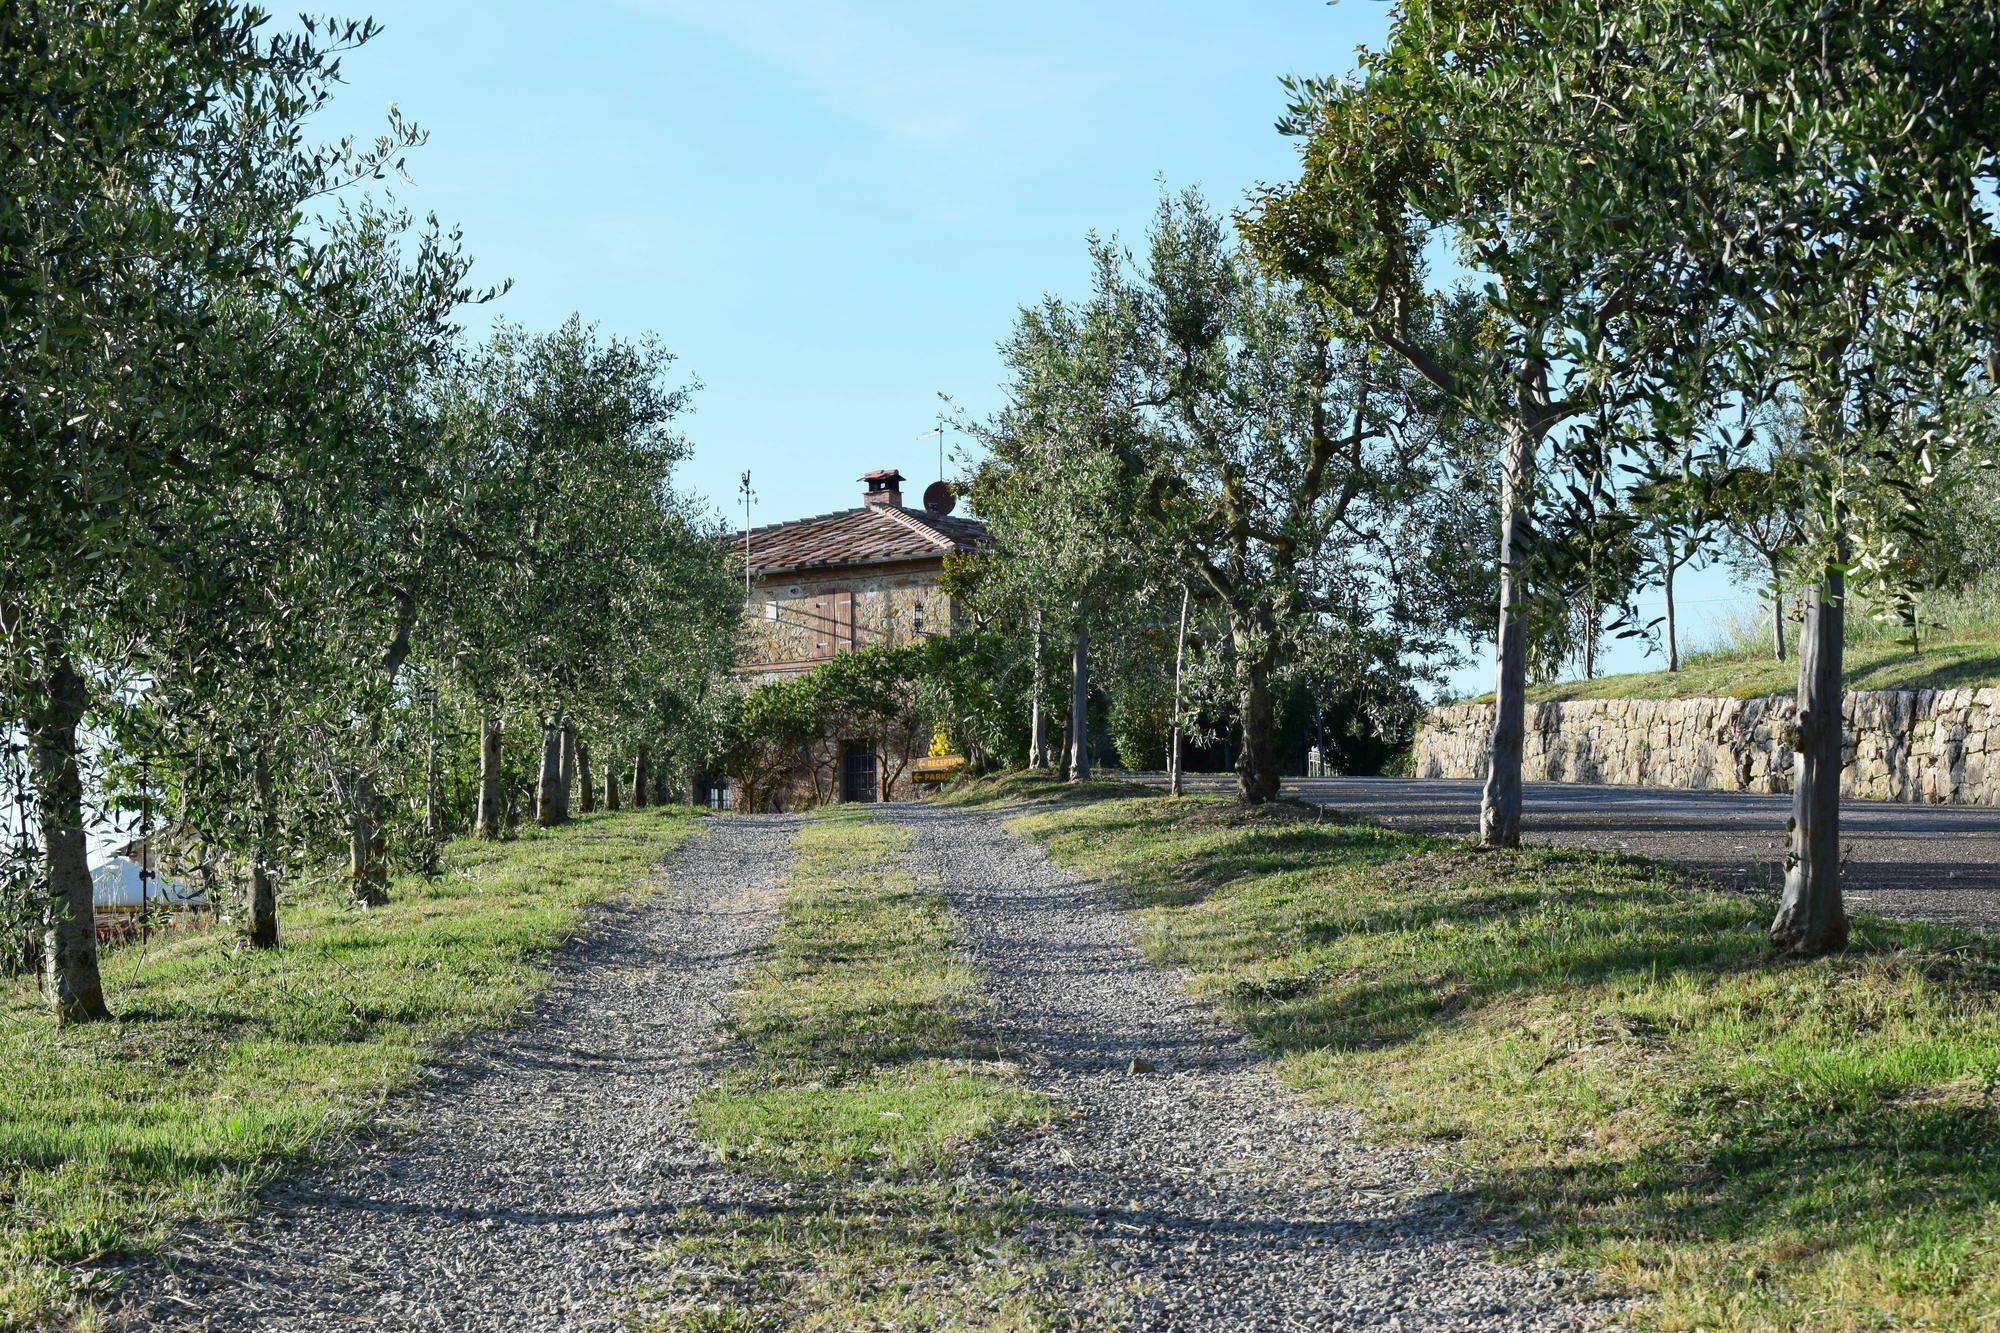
<point>831,210</point>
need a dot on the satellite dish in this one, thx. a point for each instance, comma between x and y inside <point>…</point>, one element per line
<point>939,498</point>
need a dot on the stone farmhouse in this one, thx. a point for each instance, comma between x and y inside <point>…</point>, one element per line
<point>835,582</point>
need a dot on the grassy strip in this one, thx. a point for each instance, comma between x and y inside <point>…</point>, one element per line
<point>1604,1052</point>
<point>1967,660</point>
<point>227,1067</point>
<point>862,1086</point>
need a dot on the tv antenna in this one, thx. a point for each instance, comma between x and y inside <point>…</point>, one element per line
<point>743,489</point>
<point>938,496</point>
<point>937,430</point>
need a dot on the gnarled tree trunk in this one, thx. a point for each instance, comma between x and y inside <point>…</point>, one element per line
<point>610,787</point>
<point>367,875</point>
<point>1500,802</point>
<point>586,791</point>
<point>1811,919</point>
<point>260,897</point>
<point>566,777</point>
<point>488,821</point>
<point>1079,699</point>
<point>1257,763</point>
<point>639,779</point>
<point>260,909</point>
<point>70,978</point>
<point>549,791</point>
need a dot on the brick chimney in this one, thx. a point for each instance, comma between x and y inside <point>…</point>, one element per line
<point>885,487</point>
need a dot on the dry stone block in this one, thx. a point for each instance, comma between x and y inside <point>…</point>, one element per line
<point>1928,745</point>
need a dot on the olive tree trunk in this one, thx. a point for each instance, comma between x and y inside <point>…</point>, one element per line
<point>1079,700</point>
<point>549,795</point>
<point>1593,617</point>
<point>1668,566</point>
<point>70,978</point>
<point>367,873</point>
<point>610,787</point>
<point>1500,802</point>
<point>566,777</point>
<point>639,779</point>
<point>1811,919</point>
<point>586,791</point>
<point>488,821</point>
<point>260,897</point>
<point>1257,762</point>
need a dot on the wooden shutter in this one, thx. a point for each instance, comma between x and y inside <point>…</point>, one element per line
<point>843,622</point>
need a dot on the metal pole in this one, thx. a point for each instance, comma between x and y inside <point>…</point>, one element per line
<point>1038,723</point>
<point>433,821</point>
<point>1174,762</point>
<point>748,495</point>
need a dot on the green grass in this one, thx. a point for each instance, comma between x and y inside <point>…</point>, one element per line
<point>860,1081</point>
<point>1018,787</point>
<point>227,1067</point>
<point>1605,1053</point>
<point>1966,659</point>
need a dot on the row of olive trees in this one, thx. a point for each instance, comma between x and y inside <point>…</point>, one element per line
<point>1191,445</point>
<point>1681,216</point>
<point>269,526</point>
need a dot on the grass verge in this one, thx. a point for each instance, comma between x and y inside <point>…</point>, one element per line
<point>227,1067</point>
<point>861,1084</point>
<point>1604,1052</point>
<point>1968,659</point>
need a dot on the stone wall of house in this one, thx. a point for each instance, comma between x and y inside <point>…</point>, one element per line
<point>794,622</point>
<point>1938,746</point>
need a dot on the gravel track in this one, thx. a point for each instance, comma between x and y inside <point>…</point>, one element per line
<point>549,1154</point>
<point>549,1158</point>
<point>1218,1199</point>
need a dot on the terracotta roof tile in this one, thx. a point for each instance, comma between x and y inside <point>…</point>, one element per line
<point>873,534</point>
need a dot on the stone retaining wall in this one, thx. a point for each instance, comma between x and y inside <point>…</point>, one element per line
<point>1939,746</point>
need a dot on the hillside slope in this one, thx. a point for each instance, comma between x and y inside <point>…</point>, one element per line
<point>1968,660</point>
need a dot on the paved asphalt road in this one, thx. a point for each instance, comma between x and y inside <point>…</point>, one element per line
<point>1928,862</point>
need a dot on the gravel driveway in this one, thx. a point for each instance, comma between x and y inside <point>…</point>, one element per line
<point>548,1153</point>
<point>1220,1200</point>
<point>552,1156</point>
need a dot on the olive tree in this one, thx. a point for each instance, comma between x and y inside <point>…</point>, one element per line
<point>1396,161</point>
<point>1300,477</point>
<point>1812,187</point>
<point>154,171</point>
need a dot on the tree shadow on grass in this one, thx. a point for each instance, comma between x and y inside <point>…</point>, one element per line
<point>1955,668</point>
<point>1615,1049</point>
